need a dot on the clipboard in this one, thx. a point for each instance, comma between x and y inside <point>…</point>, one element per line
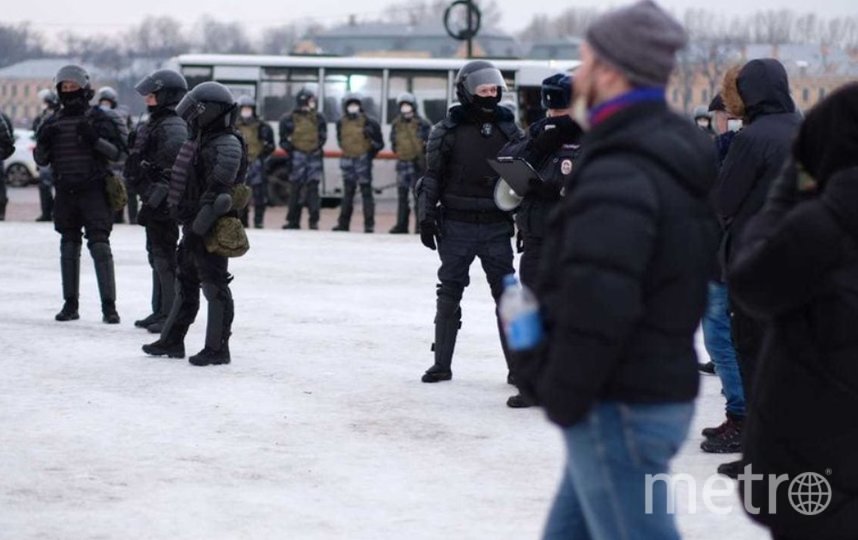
<point>516,171</point>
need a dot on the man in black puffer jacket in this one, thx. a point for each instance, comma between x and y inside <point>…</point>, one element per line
<point>623,287</point>
<point>797,268</point>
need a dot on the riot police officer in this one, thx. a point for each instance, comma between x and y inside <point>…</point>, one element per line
<point>259,138</point>
<point>108,100</point>
<point>79,142</point>
<point>360,140</point>
<point>154,147</point>
<point>455,201</point>
<point>408,135</point>
<point>209,166</point>
<point>303,133</point>
<point>50,104</point>
<point>551,149</point>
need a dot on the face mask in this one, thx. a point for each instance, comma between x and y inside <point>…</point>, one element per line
<point>311,105</point>
<point>246,113</point>
<point>734,124</point>
<point>74,101</point>
<point>703,124</point>
<point>487,103</point>
<point>406,109</point>
<point>354,108</point>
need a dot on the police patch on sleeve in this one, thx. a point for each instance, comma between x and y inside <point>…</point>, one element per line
<point>566,167</point>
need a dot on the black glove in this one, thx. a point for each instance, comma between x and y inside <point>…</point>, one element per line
<point>429,233</point>
<point>47,132</point>
<point>87,133</point>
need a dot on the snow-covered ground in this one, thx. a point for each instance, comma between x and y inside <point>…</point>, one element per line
<point>319,428</point>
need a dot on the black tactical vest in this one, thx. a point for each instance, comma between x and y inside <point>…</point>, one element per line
<point>74,163</point>
<point>468,173</point>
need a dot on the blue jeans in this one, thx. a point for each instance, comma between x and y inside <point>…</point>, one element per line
<point>602,494</point>
<point>719,344</point>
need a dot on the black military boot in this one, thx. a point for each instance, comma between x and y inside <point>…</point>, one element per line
<point>164,347</point>
<point>448,320</point>
<point>218,327</point>
<point>211,357</point>
<point>726,439</point>
<point>103,259</point>
<point>70,271</point>
<point>368,202</point>
<point>146,321</point>
<point>46,202</point>
<point>259,216</point>
<point>167,287</point>
<point>519,401</point>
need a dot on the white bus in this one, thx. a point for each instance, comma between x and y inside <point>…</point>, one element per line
<point>274,81</point>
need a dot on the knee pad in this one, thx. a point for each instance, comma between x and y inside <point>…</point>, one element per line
<point>73,236</point>
<point>97,237</point>
<point>70,249</point>
<point>215,292</point>
<point>100,250</point>
<point>448,308</point>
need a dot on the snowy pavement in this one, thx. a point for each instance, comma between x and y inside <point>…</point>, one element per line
<point>319,429</point>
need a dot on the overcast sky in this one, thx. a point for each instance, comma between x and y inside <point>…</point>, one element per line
<point>95,16</point>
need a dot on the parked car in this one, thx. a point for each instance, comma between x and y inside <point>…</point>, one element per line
<point>20,166</point>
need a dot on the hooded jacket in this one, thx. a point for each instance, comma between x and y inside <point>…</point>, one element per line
<point>624,279</point>
<point>757,153</point>
<point>798,270</point>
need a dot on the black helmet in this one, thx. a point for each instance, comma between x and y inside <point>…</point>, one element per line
<point>168,86</point>
<point>49,98</point>
<point>304,96</point>
<point>474,74</point>
<point>352,97</point>
<point>406,97</point>
<point>106,93</point>
<point>246,101</point>
<point>75,74</point>
<point>208,105</point>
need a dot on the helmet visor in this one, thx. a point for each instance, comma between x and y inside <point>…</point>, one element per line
<point>189,108</point>
<point>481,77</point>
<point>148,85</point>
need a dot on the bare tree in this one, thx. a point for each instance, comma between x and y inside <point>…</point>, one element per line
<point>221,37</point>
<point>17,43</point>
<point>279,39</point>
<point>157,37</point>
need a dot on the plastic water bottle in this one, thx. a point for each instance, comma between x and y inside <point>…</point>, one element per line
<point>519,313</point>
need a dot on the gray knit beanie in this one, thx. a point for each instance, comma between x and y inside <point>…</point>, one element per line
<point>641,40</point>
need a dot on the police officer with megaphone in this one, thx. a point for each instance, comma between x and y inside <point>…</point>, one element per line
<point>551,149</point>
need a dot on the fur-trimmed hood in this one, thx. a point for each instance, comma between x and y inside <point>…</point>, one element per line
<point>758,88</point>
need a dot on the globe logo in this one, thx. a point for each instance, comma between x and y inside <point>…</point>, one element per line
<point>809,493</point>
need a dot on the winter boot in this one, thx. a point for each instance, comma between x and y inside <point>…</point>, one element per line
<point>163,347</point>
<point>731,469</point>
<point>716,431</point>
<point>519,401</point>
<point>70,271</point>
<point>211,357</point>
<point>707,368</point>
<point>448,320</point>
<point>146,321</point>
<point>728,440</point>
<point>218,327</point>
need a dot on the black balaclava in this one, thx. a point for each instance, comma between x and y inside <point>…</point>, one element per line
<point>75,102</point>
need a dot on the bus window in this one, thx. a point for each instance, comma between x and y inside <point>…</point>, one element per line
<point>339,82</point>
<point>197,74</point>
<point>279,86</point>
<point>429,87</point>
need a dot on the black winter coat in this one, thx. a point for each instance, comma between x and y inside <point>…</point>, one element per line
<point>624,280</point>
<point>759,151</point>
<point>798,269</point>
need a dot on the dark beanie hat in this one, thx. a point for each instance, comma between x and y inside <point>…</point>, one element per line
<point>641,40</point>
<point>828,139</point>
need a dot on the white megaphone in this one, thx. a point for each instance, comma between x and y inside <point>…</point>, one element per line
<point>505,197</point>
